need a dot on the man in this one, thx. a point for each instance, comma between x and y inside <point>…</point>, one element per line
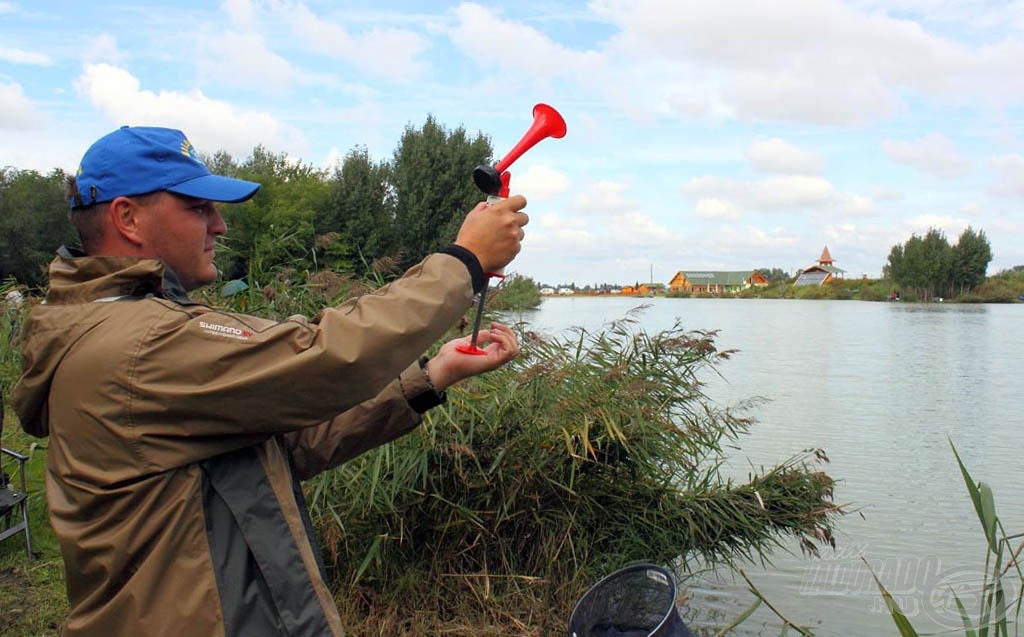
<point>178,433</point>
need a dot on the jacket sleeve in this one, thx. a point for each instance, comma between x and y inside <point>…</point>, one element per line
<point>206,382</point>
<point>372,423</point>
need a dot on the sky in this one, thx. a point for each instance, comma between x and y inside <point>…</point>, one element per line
<point>702,134</point>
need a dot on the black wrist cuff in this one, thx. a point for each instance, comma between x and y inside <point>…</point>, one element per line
<point>476,271</point>
<point>428,398</point>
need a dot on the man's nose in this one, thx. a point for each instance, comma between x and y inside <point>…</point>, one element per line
<point>217,226</point>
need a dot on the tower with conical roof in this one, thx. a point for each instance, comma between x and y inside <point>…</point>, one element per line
<point>820,273</point>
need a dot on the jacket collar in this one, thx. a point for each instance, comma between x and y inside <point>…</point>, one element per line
<point>78,278</point>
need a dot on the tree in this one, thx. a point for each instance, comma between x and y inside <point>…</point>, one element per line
<point>928,266</point>
<point>517,292</point>
<point>773,274</point>
<point>936,262</point>
<point>971,256</point>
<point>33,223</point>
<point>894,268</point>
<point>922,264</point>
<point>275,227</point>
<point>361,208</point>
<point>433,186</point>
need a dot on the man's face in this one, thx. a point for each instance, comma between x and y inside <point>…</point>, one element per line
<point>182,232</point>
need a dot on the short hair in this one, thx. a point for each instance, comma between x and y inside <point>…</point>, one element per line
<point>86,219</point>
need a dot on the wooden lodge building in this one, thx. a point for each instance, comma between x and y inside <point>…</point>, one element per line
<point>822,272</point>
<point>715,282</point>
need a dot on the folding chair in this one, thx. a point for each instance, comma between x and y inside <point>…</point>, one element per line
<point>12,499</point>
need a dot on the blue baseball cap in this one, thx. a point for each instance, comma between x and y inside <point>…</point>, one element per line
<point>137,160</point>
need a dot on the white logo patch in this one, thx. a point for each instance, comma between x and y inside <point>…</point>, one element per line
<point>225,330</point>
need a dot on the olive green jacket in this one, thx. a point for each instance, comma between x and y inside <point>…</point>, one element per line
<point>178,433</point>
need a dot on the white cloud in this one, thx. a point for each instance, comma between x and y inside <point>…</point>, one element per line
<point>1009,179</point>
<point>837,232</point>
<point>754,237</point>
<point>749,247</point>
<point>820,99</point>
<point>505,46</point>
<point>18,111</point>
<point>793,190</point>
<point>555,222</point>
<point>807,61</point>
<point>857,206</point>
<point>541,182</point>
<point>972,209</point>
<point>18,56</point>
<point>637,228</point>
<point>772,194</point>
<point>380,52</point>
<point>242,13</point>
<point>934,154</point>
<point>104,48</point>
<point>552,233</point>
<point>212,124</point>
<point>714,208</point>
<point>887,195</point>
<point>242,59</point>
<point>603,198</point>
<point>776,156</point>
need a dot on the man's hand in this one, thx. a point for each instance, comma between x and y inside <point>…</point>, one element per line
<point>494,233</point>
<point>449,366</point>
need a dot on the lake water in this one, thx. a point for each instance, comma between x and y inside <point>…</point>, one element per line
<point>883,388</point>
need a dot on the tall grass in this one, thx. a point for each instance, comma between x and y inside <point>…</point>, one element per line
<point>585,454</point>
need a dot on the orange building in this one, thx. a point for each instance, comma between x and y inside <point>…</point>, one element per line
<point>715,282</point>
<point>644,289</point>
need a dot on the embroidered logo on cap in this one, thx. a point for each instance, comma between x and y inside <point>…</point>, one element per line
<point>188,150</point>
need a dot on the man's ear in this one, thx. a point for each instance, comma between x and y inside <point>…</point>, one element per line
<point>124,219</point>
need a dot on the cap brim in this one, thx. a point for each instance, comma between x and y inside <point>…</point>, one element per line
<point>216,188</point>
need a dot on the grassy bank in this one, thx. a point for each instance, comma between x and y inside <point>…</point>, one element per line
<point>1005,287</point>
<point>31,592</point>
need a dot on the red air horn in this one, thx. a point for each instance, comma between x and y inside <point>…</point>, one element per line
<point>494,181</point>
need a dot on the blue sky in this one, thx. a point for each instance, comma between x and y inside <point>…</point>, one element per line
<point>703,134</point>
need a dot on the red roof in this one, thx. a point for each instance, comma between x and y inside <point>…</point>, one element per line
<point>825,258</point>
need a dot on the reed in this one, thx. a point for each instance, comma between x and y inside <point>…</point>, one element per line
<point>587,453</point>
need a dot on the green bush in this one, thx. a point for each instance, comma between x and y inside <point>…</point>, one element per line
<point>812,292</point>
<point>10,324</point>
<point>997,289</point>
<point>516,292</point>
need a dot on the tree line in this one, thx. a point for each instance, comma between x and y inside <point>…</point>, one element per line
<point>362,213</point>
<point>929,267</point>
<point>346,218</point>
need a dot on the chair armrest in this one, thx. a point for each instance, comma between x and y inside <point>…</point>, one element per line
<point>14,454</point>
